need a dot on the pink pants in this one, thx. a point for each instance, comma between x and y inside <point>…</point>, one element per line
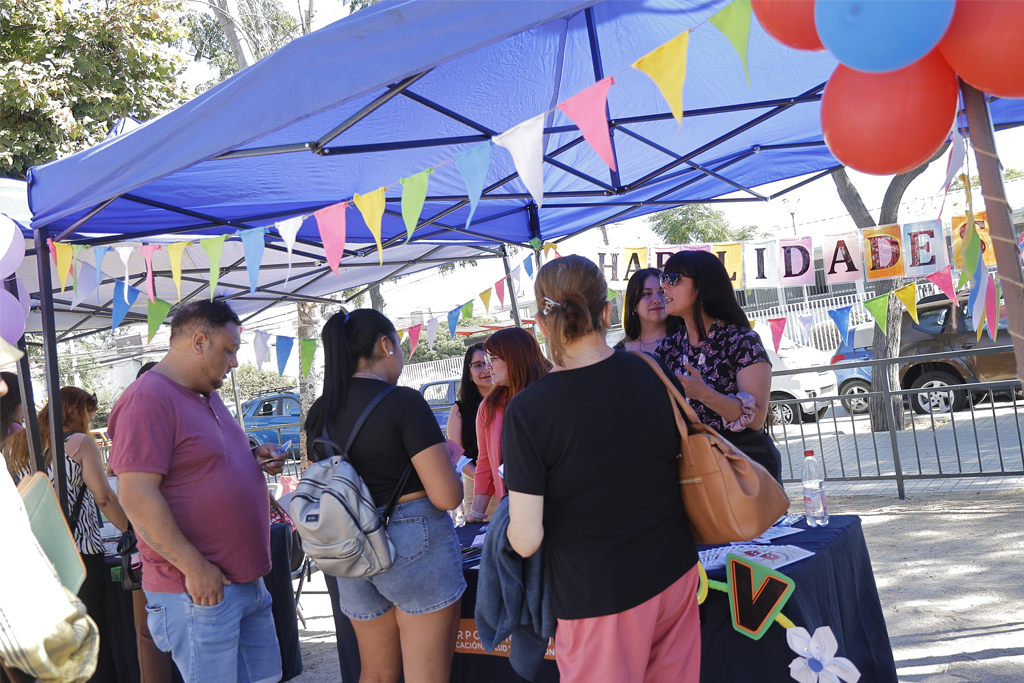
<point>658,640</point>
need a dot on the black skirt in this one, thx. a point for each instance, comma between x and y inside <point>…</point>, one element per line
<point>757,444</point>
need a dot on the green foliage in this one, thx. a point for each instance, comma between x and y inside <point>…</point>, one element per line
<point>697,224</point>
<point>1008,174</point>
<point>67,75</point>
<point>251,381</point>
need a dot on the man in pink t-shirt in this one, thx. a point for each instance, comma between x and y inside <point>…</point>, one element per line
<point>197,499</point>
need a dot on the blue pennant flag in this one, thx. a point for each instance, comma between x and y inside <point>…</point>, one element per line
<point>120,305</point>
<point>529,265</point>
<point>473,164</point>
<point>453,319</point>
<point>284,349</point>
<point>841,317</point>
<point>253,244</point>
<point>980,273</point>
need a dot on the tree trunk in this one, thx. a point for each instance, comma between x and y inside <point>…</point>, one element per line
<point>376,298</point>
<point>231,21</point>
<point>310,324</point>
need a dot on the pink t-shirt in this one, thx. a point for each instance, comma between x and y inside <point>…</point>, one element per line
<point>215,489</point>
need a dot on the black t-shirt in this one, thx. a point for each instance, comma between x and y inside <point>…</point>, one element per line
<point>599,443</point>
<point>401,426</point>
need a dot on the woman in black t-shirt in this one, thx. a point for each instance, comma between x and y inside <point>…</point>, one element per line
<point>425,584</point>
<point>590,453</point>
<point>474,388</point>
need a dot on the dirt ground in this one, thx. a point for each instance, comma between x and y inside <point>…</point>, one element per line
<point>950,574</point>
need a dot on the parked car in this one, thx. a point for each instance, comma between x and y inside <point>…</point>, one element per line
<point>441,396</point>
<point>263,413</point>
<point>854,381</point>
<point>807,385</point>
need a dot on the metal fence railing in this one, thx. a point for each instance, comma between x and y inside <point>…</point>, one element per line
<point>419,373</point>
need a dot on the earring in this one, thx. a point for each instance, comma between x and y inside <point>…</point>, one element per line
<point>391,353</point>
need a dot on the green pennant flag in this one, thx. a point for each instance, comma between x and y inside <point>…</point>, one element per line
<point>536,243</point>
<point>612,294</point>
<point>75,249</point>
<point>214,247</point>
<point>878,307</point>
<point>307,348</point>
<point>414,193</point>
<point>734,23</point>
<point>156,313</point>
<point>971,244</point>
<point>467,310</point>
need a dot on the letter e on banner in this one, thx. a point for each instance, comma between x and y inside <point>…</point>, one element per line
<point>796,260</point>
<point>924,248</point>
<point>883,256</point>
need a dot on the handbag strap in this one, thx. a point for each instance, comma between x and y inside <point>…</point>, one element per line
<point>688,413</point>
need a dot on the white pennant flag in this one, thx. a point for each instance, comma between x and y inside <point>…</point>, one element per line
<point>516,273</point>
<point>288,230</point>
<point>978,312</point>
<point>86,283</point>
<point>525,143</point>
<point>957,156</point>
<point>807,322</point>
<point>125,253</point>
<point>262,348</point>
<point>432,331</point>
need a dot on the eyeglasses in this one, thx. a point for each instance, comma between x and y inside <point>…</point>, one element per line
<point>671,279</point>
<point>477,366</point>
<point>490,358</point>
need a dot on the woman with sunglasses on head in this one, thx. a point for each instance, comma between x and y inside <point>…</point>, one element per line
<point>645,321</point>
<point>474,388</point>
<point>514,361</point>
<point>590,454</point>
<point>719,360</point>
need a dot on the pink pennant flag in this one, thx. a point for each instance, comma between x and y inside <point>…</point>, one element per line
<point>147,253</point>
<point>778,325</point>
<point>943,279</point>
<point>499,288</point>
<point>414,338</point>
<point>992,308</point>
<point>588,110</point>
<point>53,250</point>
<point>331,222</point>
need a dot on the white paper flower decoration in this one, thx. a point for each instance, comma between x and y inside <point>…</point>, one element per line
<point>817,662</point>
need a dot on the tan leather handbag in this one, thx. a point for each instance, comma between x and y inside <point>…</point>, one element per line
<point>728,497</point>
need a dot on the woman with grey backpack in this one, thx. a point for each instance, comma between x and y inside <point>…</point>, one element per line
<point>406,616</point>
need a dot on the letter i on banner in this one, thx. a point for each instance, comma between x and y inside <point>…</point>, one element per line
<point>761,264</point>
<point>883,256</point>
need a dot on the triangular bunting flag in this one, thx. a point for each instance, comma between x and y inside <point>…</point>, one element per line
<point>86,285</point>
<point>53,250</point>
<point>65,254</point>
<point>525,143</point>
<point>807,323</point>
<point>253,245</point>
<point>978,298</point>
<point>943,279</point>
<point>499,289</point>
<point>841,317</point>
<point>473,165</point>
<point>333,226</point>
<point>778,325</point>
<point>516,273</point>
<point>528,264</point>
<point>414,339</point>
<point>284,349</point>
<point>124,299</point>
<point>371,206</point>
<point>908,297</point>
<point>414,193</point>
<point>147,253</point>
<point>214,247</point>
<point>307,348</point>
<point>98,253</point>
<point>262,346</point>
<point>549,247</point>
<point>588,109</point>
<point>289,230</point>
<point>666,66</point>
<point>174,251</point>
<point>878,307</point>
<point>610,294</point>
<point>432,332</point>
<point>485,296</point>
<point>156,313</point>
<point>992,308</point>
<point>957,156</point>
<point>125,253</point>
<point>536,243</point>
<point>734,22</point>
<point>75,251</point>
<point>467,310</point>
<point>453,320</point>
<point>401,335</point>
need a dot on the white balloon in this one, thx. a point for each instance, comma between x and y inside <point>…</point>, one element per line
<point>12,246</point>
<point>11,326</point>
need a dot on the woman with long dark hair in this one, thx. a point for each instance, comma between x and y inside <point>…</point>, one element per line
<point>644,319</point>
<point>474,388</point>
<point>590,452</point>
<point>408,616</point>
<point>515,362</point>
<point>719,360</point>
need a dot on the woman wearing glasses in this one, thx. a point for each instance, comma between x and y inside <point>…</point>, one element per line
<point>590,455</point>
<point>646,323</point>
<point>515,362</point>
<point>719,360</point>
<point>474,388</point>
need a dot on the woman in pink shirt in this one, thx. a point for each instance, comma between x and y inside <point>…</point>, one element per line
<point>515,362</point>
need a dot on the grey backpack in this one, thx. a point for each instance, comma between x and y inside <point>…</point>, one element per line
<point>333,511</point>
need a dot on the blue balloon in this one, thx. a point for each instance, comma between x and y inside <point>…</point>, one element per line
<point>882,35</point>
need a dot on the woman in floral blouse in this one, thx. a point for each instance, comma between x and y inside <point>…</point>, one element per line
<point>720,361</point>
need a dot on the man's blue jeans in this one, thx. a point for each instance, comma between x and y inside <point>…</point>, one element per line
<point>232,641</point>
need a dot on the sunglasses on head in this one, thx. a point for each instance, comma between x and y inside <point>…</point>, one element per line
<point>670,279</point>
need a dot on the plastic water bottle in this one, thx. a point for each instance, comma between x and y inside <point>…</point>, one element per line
<point>815,503</point>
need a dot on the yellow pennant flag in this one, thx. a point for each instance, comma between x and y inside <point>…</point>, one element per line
<point>65,254</point>
<point>174,251</point>
<point>371,205</point>
<point>666,66</point>
<point>908,296</point>
<point>550,246</point>
<point>485,296</point>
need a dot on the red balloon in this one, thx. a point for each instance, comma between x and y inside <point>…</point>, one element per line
<point>983,45</point>
<point>791,22</point>
<point>890,122</point>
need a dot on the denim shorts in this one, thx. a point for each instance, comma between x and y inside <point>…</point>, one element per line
<point>426,575</point>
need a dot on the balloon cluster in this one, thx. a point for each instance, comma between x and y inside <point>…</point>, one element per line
<point>891,102</point>
<point>12,253</point>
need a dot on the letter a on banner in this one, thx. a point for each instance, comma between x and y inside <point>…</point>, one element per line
<point>796,261</point>
<point>842,258</point>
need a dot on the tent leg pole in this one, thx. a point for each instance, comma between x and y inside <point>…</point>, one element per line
<point>52,369</point>
<point>238,404</point>
<point>1008,259</point>
<point>35,450</point>
<point>511,288</point>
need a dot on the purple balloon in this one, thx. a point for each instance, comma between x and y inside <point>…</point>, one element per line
<point>23,297</point>
<point>11,326</point>
<point>12,247</point>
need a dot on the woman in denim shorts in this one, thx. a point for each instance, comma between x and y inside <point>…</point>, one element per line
<point>408,615</point>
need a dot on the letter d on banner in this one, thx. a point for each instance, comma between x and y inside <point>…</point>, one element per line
<point>796,259</point>
<point>883,257</point>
